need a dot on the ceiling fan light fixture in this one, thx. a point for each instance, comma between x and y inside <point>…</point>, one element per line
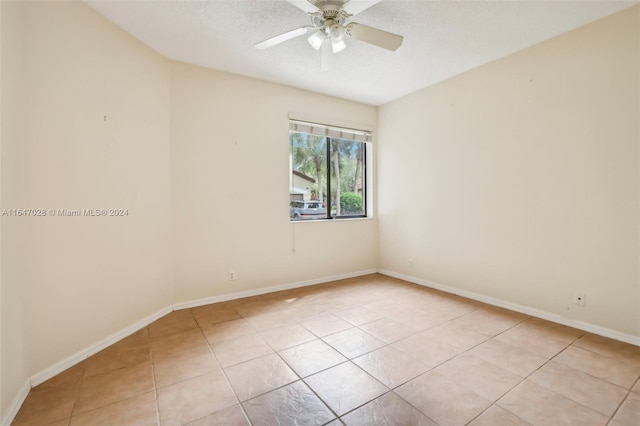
<point>338,46</point>
<point>316,39</point>
<point>337,33</point>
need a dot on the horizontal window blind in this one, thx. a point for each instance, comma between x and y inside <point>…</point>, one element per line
<point>330,131</point>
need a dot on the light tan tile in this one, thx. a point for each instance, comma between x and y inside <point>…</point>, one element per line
<point>231,416</point>
<point>113,386</point>
<point>455,335</point>
<point>387,410</point>
<point>304,311</point>
<point>427,350</point>
<point>194,399</point>
<point>294,405</point>
<point>388,330</point>
<point>386,306</point>
<point>420,319</point>
<point>449,307</point>
<point>594,393</point>
<point>489,321</point>
<point>496,416</point>
<point>172,323</point>
<point>531,340</point>
<point>610,347</point>
<point>629,412</point>
<point>479,376</point>
<point>113,358</point>
<point>137,411</point>
<point>509,357</point>
<point>301,297</point>
<point>139,339</point>
<point>46,406</point>
<point>324,290</point>
<point>282,296</point>
<point>242,348</point>
<point>613,370</point>
<point>245,300</point>
<point>286,337</point>
<point>353,342</point>
<point>269,320</point>
<point>444,401</point>
<point>413,298</point>
<point>311,357</point>
<point>541,407</point>
<point>329,385</point>
<point>64,422</point>
<point>214,314</point>
<point>252,306</point>
<point>69,379</point>
<point>255,308</point>
<point>227,330</point>
<point>552,330</point>
<point>390,366</point>
<point>339,306</point>
<point>257,376</point>
<point>358,315</point>
<point>421,297</point>
<point>177,342</point>
<point>226,305</point>
<point>174,368</point>
<point>51,402</point>
<point>323,325</point>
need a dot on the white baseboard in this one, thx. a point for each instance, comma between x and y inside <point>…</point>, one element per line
<point>259,291</point>
<point>17,402</point>
<point>95,348</point>
<point>592,328</point>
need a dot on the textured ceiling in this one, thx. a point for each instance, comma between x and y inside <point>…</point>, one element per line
<point>441,39</point>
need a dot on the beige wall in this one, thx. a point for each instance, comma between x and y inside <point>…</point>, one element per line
<point>230,187</point>
<point>520,180</point>
<point>89,277</point>
<point>13,365</point>
<point>82,279</point>
<point>638,123</point>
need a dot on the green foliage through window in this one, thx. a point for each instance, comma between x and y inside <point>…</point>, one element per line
<point>351,203</point>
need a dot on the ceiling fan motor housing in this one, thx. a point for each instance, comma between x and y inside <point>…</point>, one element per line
<point>329,12</point>
<point>329,20</point>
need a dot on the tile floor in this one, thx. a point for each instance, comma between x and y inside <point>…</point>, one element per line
<point>365,351</point>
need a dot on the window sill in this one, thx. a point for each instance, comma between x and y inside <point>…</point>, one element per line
<point>344,219</point>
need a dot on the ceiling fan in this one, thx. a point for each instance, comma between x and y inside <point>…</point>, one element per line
<point>328,28</point>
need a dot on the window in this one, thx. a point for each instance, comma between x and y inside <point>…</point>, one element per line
<point>327,171</point>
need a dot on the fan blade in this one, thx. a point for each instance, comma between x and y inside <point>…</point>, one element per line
<point>304,5</point>
<point>375,36</point>
<point>282,37</point>
<point>353,7</point>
